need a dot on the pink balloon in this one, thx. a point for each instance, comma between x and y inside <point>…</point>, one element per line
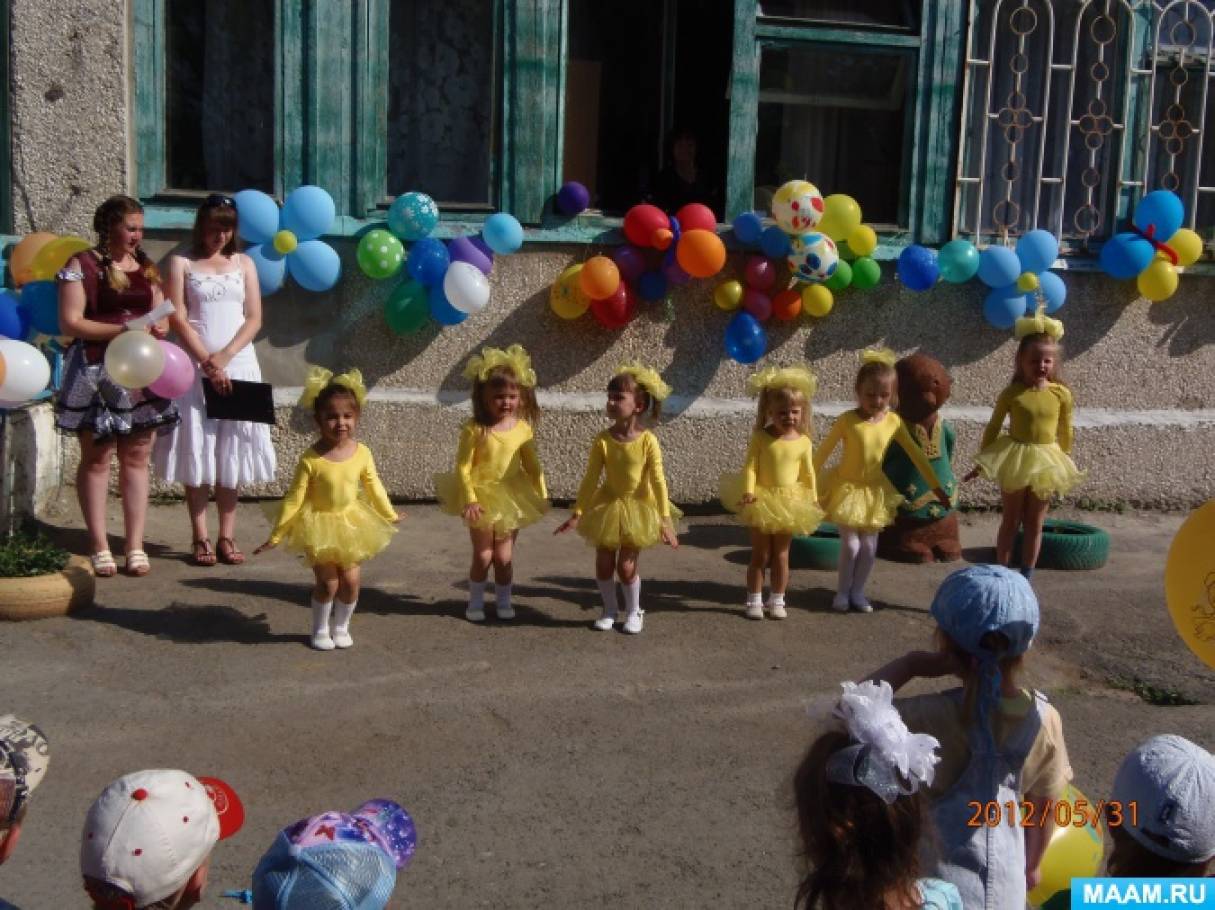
<point>178,373</point>
<point>758,304</point>
<point>761,273</point>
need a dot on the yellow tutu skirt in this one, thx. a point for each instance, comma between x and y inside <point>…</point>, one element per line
<point>776,510</point>
<point>612,523</point>
<point>867,507</point>
<point>1043,467</point>
<point>345,538</point>
<point>506,505</point>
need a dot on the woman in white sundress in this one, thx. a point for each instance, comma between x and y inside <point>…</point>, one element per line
<point>218,313</point>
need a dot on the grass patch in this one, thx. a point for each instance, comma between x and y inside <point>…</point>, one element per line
<point>25,555</point>
<point>1160,696</point>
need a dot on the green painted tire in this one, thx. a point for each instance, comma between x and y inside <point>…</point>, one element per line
<point>1070,545</point>
<point>820,550</point>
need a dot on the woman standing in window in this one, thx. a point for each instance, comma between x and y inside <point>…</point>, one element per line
<point>100,291</point>
<point>218,311</point>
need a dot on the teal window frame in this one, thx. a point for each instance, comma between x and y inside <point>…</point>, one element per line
<point>6,138</point>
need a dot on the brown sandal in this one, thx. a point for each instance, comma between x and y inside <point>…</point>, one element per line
<point>203,554</point>
<point>229,553</point>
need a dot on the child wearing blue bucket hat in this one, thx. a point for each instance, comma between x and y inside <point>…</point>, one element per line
<point>1001,745</point>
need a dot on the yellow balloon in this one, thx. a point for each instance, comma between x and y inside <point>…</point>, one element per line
<point>1027,282</point>
<point>862,240</point>
<point>285,242</point>
<point>817,300</point>
<point>55,255</point>
<point>1074,851</point>
<point>1187,245</point>
<point>1159,280</point>
<point>728,295</point>
<point>841,216</point>
<point>1189,582</point>
<point>566,297</point>
<point>21,259</point>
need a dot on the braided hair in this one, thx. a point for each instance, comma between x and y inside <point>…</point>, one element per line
<point>108,214</point>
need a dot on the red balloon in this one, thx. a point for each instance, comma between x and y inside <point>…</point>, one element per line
<point>617,311</point>
<point>761,273</point>
<point>787,304</point>
<point>648,226</point>
<point>696,217</point>
<point>758,304</point>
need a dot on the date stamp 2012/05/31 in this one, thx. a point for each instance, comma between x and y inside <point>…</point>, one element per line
<point>1060,813</point>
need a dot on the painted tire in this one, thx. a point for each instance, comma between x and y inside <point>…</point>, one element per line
<point>820,550</point>
<point>56,594</point>
<point>1070,545</point>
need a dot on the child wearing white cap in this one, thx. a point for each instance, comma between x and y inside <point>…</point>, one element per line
<point>147,839</point>
<point>24,755</point>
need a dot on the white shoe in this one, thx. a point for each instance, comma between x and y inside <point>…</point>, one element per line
<point>505,612</point>
<point>322,641</point>
<point>342,639</point>
<point>840,604</point>
<point>633,622</point>
<point>861,604</point>
<point>755,611</point>
<point>605,622</point>
<point>777,611</point>
<point>475,614</point>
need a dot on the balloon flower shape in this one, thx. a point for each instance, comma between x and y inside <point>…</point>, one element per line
<point>1019,279</point>
<point>1154,247</point>
<point>286,242</point>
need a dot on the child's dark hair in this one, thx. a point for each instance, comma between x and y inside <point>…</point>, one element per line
<point>1029,341</point>
<point>879,371</point>
<point>498,378</point>
<point>1130,859</point>
<point>216,211</point>
<point>627,384</point>
<point>331,391</point>
<point>108,214</point>
<point>859,850</point>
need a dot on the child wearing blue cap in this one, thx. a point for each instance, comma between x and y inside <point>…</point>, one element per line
<point>1000,744</point>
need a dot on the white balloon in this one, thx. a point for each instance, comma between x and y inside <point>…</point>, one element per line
<point>134,360</point>
<point>465,287</point>
<point>26,371</point>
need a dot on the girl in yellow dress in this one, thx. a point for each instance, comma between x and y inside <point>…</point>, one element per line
<point>629,510</point>
<point>1031,462</point>
<point>323,516</point>
<point>775,495</point>
<point>857,495</point>
<point>498,485</point>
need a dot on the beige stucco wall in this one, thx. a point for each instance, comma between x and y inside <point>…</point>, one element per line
<point>1143,375</point>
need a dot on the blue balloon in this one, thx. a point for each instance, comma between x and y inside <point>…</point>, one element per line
<point>14,321</point>
<point>999,267</point>
<point>1125,255</point>
<point>412,216</point>
<point>503,233</point>
<point>257,216</point>
<point>1159,214</point>
<point>1004,306</point>
<point>748,228</point>
<point>573,198</point>
<point>652,286</point>
<point>958,261</point>
<point>40,300</point>
<point>441,310</point>
<point>746,340</point>
<point>428,261</point>
<point>774,242</point>
<point>308,212</point>
<point>1037,251</point>
<point>270,265</point>
<point>1053,290</point>
<point>315,265</point>
<point>917,268</point>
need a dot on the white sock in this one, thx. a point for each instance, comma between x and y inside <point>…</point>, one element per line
<point>476,595</point>
<point>607,590</point>
<point>864,564</point>
<point>320,617</point>
<point>341,616</point>
<point>502,595</point>
<point>776,600</point>
<point>755,598</point>
<point>850,545</point>
<point>632,595</point>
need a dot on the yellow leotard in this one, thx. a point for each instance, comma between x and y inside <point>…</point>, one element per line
<point>500,471</point>
<point>857,494</point>
<point>779,473</point>
<point>1035,451</point>
<point>631,505</point>
<point>324,517</point>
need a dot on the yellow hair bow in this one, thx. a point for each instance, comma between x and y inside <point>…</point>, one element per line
<point>319,377</point>
<point>1038,324</point>
<point>514,358</point>
<point>879,355</point>
<point>799,378</point>
<point>646,378</point>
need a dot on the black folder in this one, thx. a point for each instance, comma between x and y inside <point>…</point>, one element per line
<point>252,401</point>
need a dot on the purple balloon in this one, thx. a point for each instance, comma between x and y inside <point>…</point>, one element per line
<point>573,198</point>
<point>630,261</point>
<point>462,249</point>
<point>675,275</point>
<point>758,304</point>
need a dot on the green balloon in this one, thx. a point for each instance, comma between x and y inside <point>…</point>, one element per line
<point>840,278</point>
<point>407,308</point>
<point>845,252</point>
<point>958,261</point>
<point>865,273</point>
<point>380,254</point>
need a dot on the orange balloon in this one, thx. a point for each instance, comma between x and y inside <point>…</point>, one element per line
<point>700,253</point>
<point>787,304</point>
<point>599,278</point>
<point>3,370</point>
<point>21,260</point>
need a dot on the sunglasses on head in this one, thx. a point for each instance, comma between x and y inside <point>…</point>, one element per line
<point>215,200</point>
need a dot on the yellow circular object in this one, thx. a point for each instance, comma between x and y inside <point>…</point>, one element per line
<point>863,240</point>
<point>285,242</point>
<point>1159,280</point>
<point>817,300</point>
<point>55,255</point>
<point>841,216</point>
<point>1187,245</point>
<point>566,297</point>
<point>1027,282</point>
<point>728,295</point>
<point>1075,847</point>
<point>21,258</point>
<point>1189,582</point>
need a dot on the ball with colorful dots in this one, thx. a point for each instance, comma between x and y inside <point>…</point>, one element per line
<point>813,257</point>
<point>797,207</point>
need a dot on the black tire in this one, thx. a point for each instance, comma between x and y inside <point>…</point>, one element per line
<point>1070,545</point>
<point>820,550</point>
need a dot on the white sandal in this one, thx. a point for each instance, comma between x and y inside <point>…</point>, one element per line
<point>103,564</point>
<point>137,564</point>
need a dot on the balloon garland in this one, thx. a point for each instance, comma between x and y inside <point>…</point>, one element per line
<point>1142,254</point>
<point>287,241</point>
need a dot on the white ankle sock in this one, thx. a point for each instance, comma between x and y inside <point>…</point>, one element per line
<point>632,595</point>
<point>607,590</point>
<point>776,600</point>
<point>755,598</point>
<point>476,595</point>
<point>320,617</point>
<point>502,595</point>
<point>341,615</point>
